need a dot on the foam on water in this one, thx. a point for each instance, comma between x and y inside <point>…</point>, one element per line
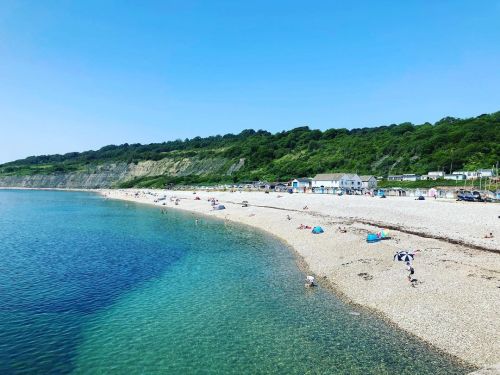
<point>96,286</point>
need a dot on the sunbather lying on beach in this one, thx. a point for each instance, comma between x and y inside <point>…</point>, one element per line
<point>488,235</point>
<point>302,226</point>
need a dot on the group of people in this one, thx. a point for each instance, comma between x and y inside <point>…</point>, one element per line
<point>302,226</point>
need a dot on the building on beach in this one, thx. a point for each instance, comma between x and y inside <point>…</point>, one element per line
<point>368,182</point>
<point>301,184</point>
<point>280,187</point>
<point>336,181</point>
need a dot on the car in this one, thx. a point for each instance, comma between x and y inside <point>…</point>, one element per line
<point>466,197</point>
<point>477,196</point>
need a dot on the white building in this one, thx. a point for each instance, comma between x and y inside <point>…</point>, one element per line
<point>301,184</point>
<point>337,180</point>
<point>435,175</point>
<point>410,177</point>
<point>456,177</point>
<point>485,172</point>
<point>396,177</point>
<point>368,182</point>
<point>470,175</point>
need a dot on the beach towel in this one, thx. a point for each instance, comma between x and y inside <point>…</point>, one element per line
<point>383,234</point>
<point>372,237</point>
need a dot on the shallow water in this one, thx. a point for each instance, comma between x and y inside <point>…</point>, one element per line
<point>89,285</point>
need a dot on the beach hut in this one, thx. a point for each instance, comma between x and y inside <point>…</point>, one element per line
<point>432,193</point>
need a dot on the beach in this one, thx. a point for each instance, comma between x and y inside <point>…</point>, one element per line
<point>453,302</point>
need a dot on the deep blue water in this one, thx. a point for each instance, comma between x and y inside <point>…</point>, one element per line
<point>89,285</point>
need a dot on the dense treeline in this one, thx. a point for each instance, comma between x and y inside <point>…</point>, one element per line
<point>449,144</point>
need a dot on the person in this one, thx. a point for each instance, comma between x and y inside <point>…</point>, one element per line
<point>196,221</point>
<point>411,271</point>
<point>310,281</point>
<point>305,208</point>
<point>489,235</point>
<point>288,217</point>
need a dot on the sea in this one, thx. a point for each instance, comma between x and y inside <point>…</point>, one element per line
<point>90,285</point>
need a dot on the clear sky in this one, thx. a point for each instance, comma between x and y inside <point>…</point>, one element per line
<point>78,75</point>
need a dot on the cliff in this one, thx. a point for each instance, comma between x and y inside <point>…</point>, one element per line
<point>110,175</point>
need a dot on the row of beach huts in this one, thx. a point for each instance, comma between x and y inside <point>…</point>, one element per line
<point>352,183</point>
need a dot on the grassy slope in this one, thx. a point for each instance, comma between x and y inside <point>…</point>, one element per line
<point>405,148</point>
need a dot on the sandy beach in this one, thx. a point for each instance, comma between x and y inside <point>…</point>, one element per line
<point>453,304</point>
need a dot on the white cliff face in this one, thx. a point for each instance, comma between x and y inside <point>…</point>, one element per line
<point>111,174</point>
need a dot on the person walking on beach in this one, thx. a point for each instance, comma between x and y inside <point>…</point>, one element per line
<point>411,271</point>
<point>407,258</point>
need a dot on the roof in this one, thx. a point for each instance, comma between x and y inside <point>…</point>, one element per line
<point>329,176</point>
<point>366,178</point>
<point>303,179</point>
<point>351,175</point>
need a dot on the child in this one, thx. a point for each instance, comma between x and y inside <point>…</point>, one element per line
<point>411,271</point>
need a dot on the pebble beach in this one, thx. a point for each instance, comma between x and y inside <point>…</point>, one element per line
<point>452,302</point>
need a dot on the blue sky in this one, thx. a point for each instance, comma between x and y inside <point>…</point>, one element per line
<point>78,75</point>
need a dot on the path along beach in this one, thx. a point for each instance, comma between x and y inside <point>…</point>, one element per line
<point>454,302</point>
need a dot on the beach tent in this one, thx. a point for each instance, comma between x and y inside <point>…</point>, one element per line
<point>317,230</point>
<point>372,237</point>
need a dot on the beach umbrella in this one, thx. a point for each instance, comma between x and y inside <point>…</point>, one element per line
<point>404,256</point>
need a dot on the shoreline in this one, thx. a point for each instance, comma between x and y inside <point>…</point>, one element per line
<point>451,307</point>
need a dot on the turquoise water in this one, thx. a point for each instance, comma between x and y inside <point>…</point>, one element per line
<point>90,286</point>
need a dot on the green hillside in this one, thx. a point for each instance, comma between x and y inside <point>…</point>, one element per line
<point>450,143</point>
